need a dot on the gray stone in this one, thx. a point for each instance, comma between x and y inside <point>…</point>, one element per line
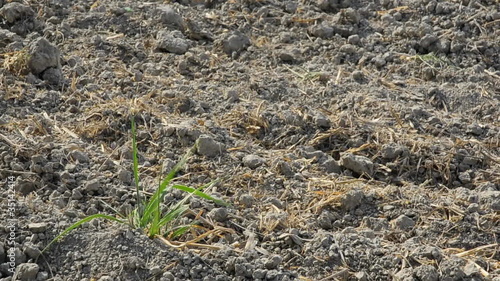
<point>392,150</point>
<point>243,269</point>
<point>474,129</point>
<point>273,275</point>
<point>376,224</point>
<point>125,176</point>
<point>37,227</point>
<point>235,42</point>
<point>465,177</point>
<point>348,48</point>
<point>155,270</point>
<point>451,269</point>
<point>428,40</point>
<point>26,272</point>
<point>495,15</point>
<point>284,168</point>
<point>168,276</point>
<point>358,75</point>
<point>19,256</point>
<point>291,7</point>
<point>42,276</point>
<point>331,166</point>
<point>80,156</point>
<point>487,186</point>
<point>133,263</point>
<point>321,31</point>
<point>352,199</point>
<point>470,269</point>
<point>233,96</point>
<point>357,164</point>
<point>259,274</point>
<point>273,262</point>
<point>379,61</point>
<point>76,194</point>
<point>324,4</point>
<point>168,42</point>
<point>92,186</point>
<point>456,46</point>
<point>442,46</point>
<point>253,161</point>
<point>473,208</point>
<point>490,199</point>
<point>353,39</point>
<point>387,18</point>
<point>43,55</point>
<point>7,37</point>
<point>15,11</point>
<point>426,252</point>
<point>398,16</point>
<point>16,166</point>
<point>361,276</point>
<point>167,15</point>
<point>325,220</point>
<point>53,76</point>
<point>352,15</point>
<point>292,118</point>
<point>218,214</point>
<point>404,274</point>
<point>207,146</point>
<point>276,202</point>
<point>285,56</point>
<point>25,187</point>
<point>403,223</point>
<point>468,160</point>
<point>319,155</point>
<point>31,251</point>
<point>426,273</point>
<point>286,37</point>
<point>322,121</point>
<point>247,200</point>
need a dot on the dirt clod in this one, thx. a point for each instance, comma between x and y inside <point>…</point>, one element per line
<point>207,146</point>
<point>26,272</point>
<point>358,164</point>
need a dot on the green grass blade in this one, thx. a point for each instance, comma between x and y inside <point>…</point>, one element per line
<point>173,214</point>
<point>179,230</point>
<point>177,210</point>
<point>134,218</point>
<point>113,209</point>
<point>136,165</point>
<point>177,167</point>
<point>152,206</point>
<point>200,193</point>
<point>78,223</point>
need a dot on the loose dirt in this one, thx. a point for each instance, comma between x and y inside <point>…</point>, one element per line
<point>355,140</point>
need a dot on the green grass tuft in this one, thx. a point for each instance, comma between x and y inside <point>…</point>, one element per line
<point>148,214</point>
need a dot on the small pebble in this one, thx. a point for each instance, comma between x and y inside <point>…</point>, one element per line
<point>207,146</point>
<point>26,272</point>
<point>37,227</point>
<point>403,223</point>
<point>218,214</point>
<point>247,200</point>
<point>253,161</point>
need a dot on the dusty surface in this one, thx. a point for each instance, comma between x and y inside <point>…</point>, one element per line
<point>357,140</point>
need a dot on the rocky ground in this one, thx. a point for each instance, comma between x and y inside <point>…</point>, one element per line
<point>355,140</point>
